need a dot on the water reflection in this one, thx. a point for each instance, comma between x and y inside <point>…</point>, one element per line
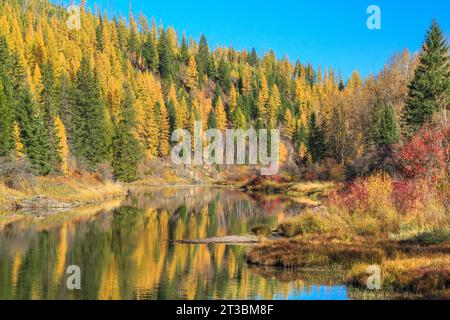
<point>124,251</point>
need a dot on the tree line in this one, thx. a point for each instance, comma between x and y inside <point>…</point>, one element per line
<point>113,91</point>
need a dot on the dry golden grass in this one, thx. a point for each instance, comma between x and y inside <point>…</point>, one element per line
<point>422,274</point>
<point>300,254</point>
<point>83,189</point>
<point>405,267</point>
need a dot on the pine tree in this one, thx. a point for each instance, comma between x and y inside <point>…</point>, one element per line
<point>429,91</point>
<point>202,59</point>
<point>212,121</point>
<point>184,51</point>
<point>384,130</point>
<point>49,101</point>
<point>6,103</point>
<point>150,52</point>
<point>165,57</point>
<point>126,150</point>
<point>238,119</point>
<point>33,133</point>
<point>88,140</point>
<point>316,139</point>
<point>224,76</point>
<point>6,138</point>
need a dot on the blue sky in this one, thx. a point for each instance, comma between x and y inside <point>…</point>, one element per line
<point>323,32</point>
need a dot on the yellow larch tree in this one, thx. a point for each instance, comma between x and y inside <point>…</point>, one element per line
<point>263,98</point>
<point>221,116</point>
<point>19,147</point>
<point>63,145</point>
<point>181,117</point>
<point>37,85</point>
<point>233,99</point>
<point>146,126</point>
<point>288,123</point>
<point>274,105</point>
<point>164,134</point>
<point>191,74</point>
<point>246,79</point>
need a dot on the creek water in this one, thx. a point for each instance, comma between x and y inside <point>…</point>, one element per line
<point>124,250</point>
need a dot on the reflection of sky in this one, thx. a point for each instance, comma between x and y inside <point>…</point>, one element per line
<point>315,292</point>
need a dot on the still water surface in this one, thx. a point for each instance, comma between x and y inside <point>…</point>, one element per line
<point>124,250</point>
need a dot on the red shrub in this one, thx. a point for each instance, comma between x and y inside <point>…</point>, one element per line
<point>406,195</point>
<point>425,155</point>
<point>354,196</point>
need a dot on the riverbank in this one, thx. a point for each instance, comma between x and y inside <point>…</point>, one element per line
<point>372,222</point>
<point>405,268</point>
<point>59,193</point>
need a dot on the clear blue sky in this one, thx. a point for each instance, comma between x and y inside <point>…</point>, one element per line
<point>322,32</point>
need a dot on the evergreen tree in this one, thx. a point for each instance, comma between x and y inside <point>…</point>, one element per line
<point>212,121</point>
<point>223,75</point>
<point>6,137</point>
<point>253,58</point>
<point>150,53</point>
<point>205,63</point>
<point>126,150</point>
<point>429,91</point>
<point>33,133</point>
<point>88,139</point>
<point>49,100</point>
<point>6,103</point>
<point>184,52</point>
<point>384,130</point>
<point>165,56</point>
<point>238,119</point>
<point>316,139</point>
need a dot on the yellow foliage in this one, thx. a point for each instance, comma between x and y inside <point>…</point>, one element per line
<point>19,147</point>
<point>221,116</point>
<point>191,74</point>
<point>63,145</point>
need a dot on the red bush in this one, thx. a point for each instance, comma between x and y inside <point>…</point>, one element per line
<point>406,195</point>
<point>425,155</point>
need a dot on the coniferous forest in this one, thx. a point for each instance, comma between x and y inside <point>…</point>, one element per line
<point>101,102</point>
<point>75,99</point>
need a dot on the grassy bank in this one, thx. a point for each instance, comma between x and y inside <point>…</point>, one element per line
<point>404,229</point>
<point>83,189</point>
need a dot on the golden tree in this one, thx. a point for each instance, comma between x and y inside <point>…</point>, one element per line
<point>191,74</point>
<point>63,145</point>
<point>164,134</point>
<point>289,123</point>
<point>19,147</point>
<point>221,116</point>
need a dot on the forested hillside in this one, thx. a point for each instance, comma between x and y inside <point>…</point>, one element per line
<point>112,92</point>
